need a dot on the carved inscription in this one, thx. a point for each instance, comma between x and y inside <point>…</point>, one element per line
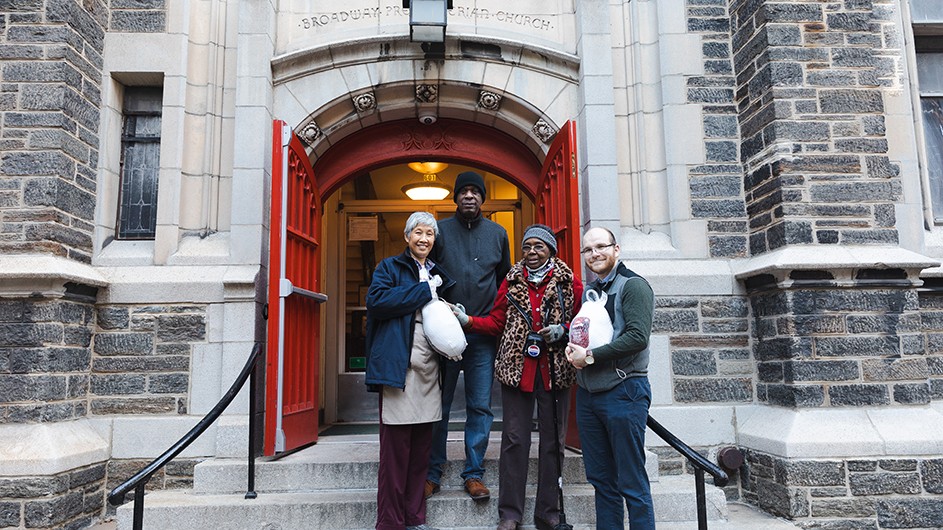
<point>336,20</point>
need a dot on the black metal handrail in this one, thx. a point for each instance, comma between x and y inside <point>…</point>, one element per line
<point>700,464</point>
<point>139,480</point>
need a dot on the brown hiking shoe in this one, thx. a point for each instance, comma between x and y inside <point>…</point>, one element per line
<point>476,489</point>
<point>431,488</point>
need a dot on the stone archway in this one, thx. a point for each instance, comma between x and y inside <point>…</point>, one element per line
<point>447,140</point>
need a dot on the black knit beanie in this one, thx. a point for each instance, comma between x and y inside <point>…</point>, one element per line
<point>468,178</point>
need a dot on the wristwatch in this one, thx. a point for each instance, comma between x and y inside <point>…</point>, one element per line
<point>589,358</point>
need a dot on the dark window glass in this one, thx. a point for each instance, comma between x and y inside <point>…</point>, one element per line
<point>140,163</point>
<point>933,133</point>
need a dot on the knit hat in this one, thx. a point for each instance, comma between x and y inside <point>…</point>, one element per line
<point>543,233</point>
<point>468,178</point>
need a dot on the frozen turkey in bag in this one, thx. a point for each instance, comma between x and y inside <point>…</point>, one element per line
<point>592,327</point>
<point>442,329</point>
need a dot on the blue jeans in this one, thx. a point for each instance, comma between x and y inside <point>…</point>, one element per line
<point>612,435</point>
<point>478,364</point>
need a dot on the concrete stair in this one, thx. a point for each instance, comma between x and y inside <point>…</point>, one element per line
<point>333,485</point>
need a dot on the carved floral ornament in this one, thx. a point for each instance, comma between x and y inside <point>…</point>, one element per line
<point>489,100</point>
<point>311,133</point>
<point>427,93</point>
<point>432,138</point>
<point>544,131</point>
<point>365,102</point>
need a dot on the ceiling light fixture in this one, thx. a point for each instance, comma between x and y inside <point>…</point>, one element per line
<point>430,188</point>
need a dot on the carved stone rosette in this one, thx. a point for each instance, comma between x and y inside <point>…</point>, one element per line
<point>427,93</point>
<point>489,100</point>
<point>365,102</point>
<point>311,133</point>
<point>544,131</point>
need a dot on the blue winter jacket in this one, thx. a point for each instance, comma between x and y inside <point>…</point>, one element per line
<point>394,296</point>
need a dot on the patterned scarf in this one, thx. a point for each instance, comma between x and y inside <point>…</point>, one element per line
<point>535,276</point>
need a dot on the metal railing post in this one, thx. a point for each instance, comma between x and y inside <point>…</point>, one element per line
<point>701,499</point>
<point>137,482</point>
<point>138,522</point>
<point>250,491</point>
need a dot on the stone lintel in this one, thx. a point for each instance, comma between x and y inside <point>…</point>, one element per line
<point>695,425</point>
<point>147,437</point>
<point>842,433</point>
<point>24,275</point>
<point>38,449</point>
<point>173,284</point>
<point>686,277</point>
<point>843,263</point>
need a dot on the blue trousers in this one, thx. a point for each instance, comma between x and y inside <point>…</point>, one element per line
<point>612,436</point>
<point>478,364</point>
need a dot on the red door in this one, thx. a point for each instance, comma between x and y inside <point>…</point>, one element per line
<point>558,196</point>
<point>558,207</point>
<point>292,357</point>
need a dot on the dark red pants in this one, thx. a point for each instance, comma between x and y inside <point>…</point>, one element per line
<point>404,462</point>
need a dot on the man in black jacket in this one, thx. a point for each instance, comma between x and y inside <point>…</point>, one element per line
<point>477,255</point>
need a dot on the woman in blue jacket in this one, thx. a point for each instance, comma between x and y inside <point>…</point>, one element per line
<point>404,368</point>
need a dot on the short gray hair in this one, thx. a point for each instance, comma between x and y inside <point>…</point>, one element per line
<point>421,218</point>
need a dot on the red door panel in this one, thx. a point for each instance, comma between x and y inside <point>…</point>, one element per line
<point>558,196</point>
<point>558,207</point>
<point>292,357</point>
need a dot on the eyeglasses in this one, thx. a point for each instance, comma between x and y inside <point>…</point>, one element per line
<point>598,249</point>
<point>539,247</point>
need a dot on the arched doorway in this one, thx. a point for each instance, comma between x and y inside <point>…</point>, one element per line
<point>361,177</point>
<point>377,152</point>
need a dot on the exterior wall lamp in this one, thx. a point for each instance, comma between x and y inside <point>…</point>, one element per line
<point>427,21</point>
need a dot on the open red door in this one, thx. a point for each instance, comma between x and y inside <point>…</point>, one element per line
<point>292,357</point>
<point>558,196</point>
<point>558,207</point>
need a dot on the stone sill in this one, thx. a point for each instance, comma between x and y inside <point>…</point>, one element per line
<point>50,448</point>
<point>843,262</point>
<point>842,432</point>
<point>35,275</point>
<point>32,275</point>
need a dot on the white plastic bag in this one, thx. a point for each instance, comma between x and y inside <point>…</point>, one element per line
<point>592,327</point>
<point>442,330</point>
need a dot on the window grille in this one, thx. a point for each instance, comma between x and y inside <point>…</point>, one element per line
<point>140,163</point>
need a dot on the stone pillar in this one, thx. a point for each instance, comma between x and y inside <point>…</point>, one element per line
<point>820,345</point>
<point>810,80</point>
<point>838,339</point>
<point>52,461</point>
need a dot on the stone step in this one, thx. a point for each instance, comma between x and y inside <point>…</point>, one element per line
<point>351,462</point>
<point>350,509</point>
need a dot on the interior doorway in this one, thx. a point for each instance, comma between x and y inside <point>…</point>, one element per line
<point>364,222</point>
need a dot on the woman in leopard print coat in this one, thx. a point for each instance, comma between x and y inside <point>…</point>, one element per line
<point>528,302</point>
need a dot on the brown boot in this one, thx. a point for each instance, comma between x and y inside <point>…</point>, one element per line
<point>431,488</point>
<point>476,490</point>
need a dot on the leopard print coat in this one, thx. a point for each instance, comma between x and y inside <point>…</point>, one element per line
<point>509,365</point>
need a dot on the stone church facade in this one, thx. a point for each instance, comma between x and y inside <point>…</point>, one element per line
<point>772,167</point>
